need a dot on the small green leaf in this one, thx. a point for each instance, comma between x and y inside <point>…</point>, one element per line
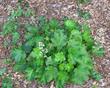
<point>59,57</point>
<point>70,24</point>
<point>86,28</point>
<point>42,21</point>
<point>71,59</point>
<point>53,23</point>
<point>96,75</point>
<point>9,27</point>
<point>62,66</point>
<point>16,13</point>
<point>28,35</point>
<point>83,1</point>
<point>88,40</point>
<point>19,12</point>
<point>28,13</point>
<point>2,71</point>
<point>7,83</point>
<point>49,61</point>
<point>84,14</point>
<point>15,37</point>
<point>37,53</point>
<point>98,50</point>
<point>69,67</point>
<point>66,66</point>
<point>20,1</point>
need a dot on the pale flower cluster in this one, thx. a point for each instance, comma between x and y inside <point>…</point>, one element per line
<point>43,49</point>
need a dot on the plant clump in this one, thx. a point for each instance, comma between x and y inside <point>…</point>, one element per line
<point>53,50</point>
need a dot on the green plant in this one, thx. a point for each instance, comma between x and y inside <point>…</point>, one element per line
<point>7,83</point>
<point>83,1</point>
<point>96,75</point>
<point>2,71</point>
<point>84,14</point>
<point>53,50</point>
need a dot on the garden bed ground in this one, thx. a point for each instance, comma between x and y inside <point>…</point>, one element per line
<point>100,25</point>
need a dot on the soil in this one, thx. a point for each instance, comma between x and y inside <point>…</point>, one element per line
<point>99,23</point>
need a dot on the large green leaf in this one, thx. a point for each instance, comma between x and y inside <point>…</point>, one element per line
<point>28,35</point>
<point>62,78</point>
<point>31,28</point>
<point>80,75</point>
<point>20,66</point>
<point>76,35</point>
<point>51,73</point>
<point>30,74</point>
<point>59,39</point>
<point>27,48</point>
<point>73,48</point>
<point>18,55</point>
<point>33,41</point>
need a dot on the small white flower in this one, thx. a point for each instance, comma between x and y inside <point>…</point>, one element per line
<point>46,50</point>
<point>41,44</point>
<point>43,50</point>
<point>45,56</point>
